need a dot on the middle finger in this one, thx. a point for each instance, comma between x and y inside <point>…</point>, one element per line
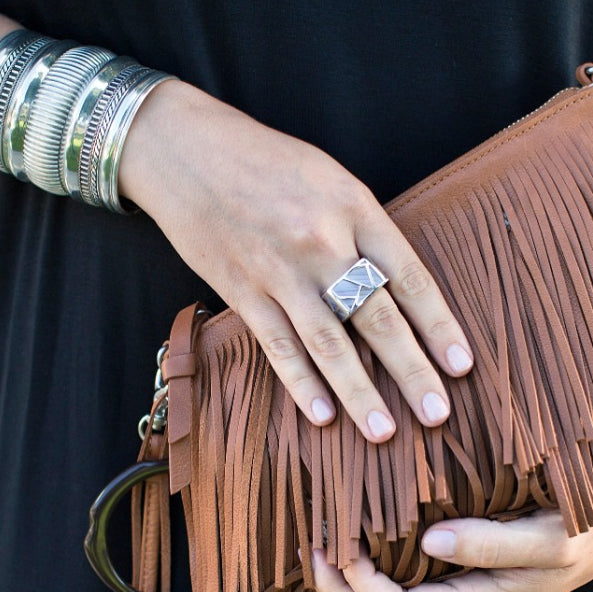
<point>387,332</point>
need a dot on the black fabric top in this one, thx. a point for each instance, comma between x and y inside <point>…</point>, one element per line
<point>393,90</point>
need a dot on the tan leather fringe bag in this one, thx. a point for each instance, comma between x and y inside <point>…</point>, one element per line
<point>507,231</point>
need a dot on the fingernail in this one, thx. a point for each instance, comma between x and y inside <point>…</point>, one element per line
<point>439,543</point>
<point>322,410</point>
<point>379,424</point>
<point>435,409</point>
<point>458,358</point>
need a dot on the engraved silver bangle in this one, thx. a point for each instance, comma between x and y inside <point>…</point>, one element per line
<point>14,42</point>
<point>11,46</point>
<point>82,123</point>
<point>19,108</point>
<point>97,129</point>
<point>12,69</point>
<point>117,129</point>
<point>50,110</point>
<point>114,142</point>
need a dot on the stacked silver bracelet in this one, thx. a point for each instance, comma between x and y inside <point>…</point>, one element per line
<point>65,111</point>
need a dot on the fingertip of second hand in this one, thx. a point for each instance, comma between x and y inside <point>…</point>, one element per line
<point>440,543</point>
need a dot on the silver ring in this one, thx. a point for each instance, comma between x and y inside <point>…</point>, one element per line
<point>351,290</point>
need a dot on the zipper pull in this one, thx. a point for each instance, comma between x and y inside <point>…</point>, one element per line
<point>584,73</point>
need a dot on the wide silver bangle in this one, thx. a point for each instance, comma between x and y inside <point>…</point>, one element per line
<point>51,109</point>
<point>83,121</point>
<point>19,109</point>
<point>11,45</point>
<point>94,136</point>
<point>15,64</point>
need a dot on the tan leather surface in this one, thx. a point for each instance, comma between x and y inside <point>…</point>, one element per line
<point>151,533</point>
<point>507,231</point>
<point>180,400</point>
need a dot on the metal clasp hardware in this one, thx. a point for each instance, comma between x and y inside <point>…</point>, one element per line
<point>160,391</point>
<point>584,74</point>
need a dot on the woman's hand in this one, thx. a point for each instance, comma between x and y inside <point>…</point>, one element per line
<point>532,554</point>
<point>270,222</point>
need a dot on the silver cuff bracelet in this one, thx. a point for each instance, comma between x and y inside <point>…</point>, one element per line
<point>65,112</point>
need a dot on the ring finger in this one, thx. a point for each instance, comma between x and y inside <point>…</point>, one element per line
<point>334,354</point>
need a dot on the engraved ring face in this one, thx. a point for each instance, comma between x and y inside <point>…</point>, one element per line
<point>351,290</point>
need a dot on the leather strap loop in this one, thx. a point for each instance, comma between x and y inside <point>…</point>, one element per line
<point>178,366</point>
<point>180,402</point>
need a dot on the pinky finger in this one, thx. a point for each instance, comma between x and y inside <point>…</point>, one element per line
<point>288,357</point>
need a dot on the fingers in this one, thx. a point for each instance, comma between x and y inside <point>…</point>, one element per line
<point>361,576</point>
<point>529,554</point>
<point>389,335</point>
<point>323,337</point>
<point>288,357</point>
<point>517,579</point>
<point>304,335</point>
<point>309,347</point>
<point>416,293</point>
<point>538,541</point>
<point>559,576</point>
<point>334,354</point>
<point>509,580</point>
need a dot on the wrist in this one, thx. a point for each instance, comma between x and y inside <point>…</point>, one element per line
<point>7,25</point>
<point>175,132</point>
<point>146,143</point>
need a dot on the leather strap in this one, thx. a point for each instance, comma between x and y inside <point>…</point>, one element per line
<point>151,531</point>
<point>179,367</point>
